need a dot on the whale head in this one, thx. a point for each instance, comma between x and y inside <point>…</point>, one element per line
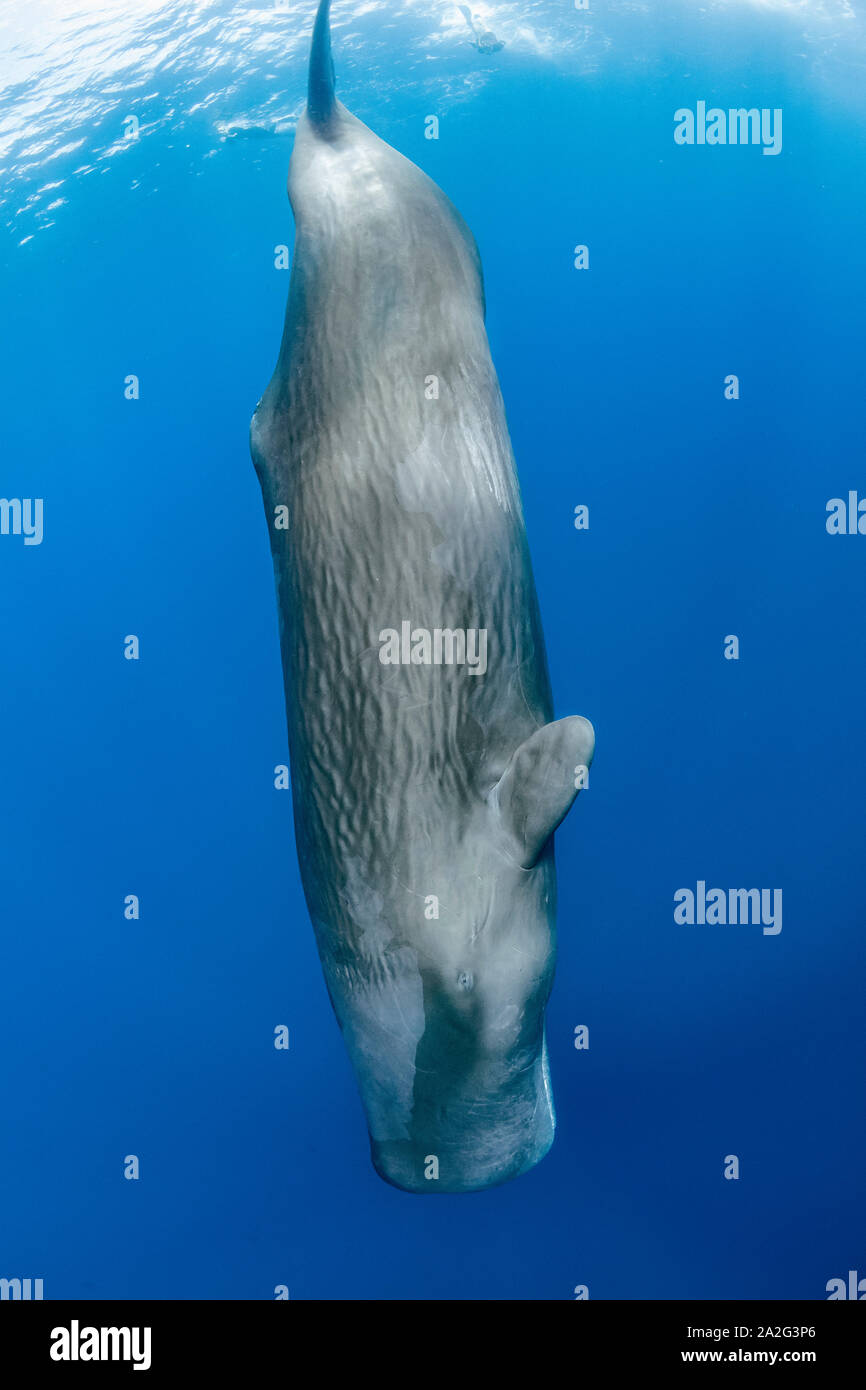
<point>440,970</point>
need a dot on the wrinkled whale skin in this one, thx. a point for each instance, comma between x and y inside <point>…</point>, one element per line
<point>424,796</point>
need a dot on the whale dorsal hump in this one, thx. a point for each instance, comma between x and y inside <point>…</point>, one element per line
<point>541,781</point>
<point>320,85</point>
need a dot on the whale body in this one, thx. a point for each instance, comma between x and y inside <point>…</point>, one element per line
<point>428,774</point>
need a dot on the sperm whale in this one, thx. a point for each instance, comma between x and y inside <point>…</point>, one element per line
<point>426,783</point>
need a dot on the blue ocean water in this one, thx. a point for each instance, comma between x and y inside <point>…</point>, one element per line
<point>155,256</point>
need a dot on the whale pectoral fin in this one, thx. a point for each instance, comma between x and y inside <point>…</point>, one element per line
<point>541,781</point>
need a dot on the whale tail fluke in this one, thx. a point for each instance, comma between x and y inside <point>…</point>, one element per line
<point>320,90</point>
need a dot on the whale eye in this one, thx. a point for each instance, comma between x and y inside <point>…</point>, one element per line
<point>465,979</point>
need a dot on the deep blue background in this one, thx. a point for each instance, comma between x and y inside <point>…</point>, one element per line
<point>156,778</point>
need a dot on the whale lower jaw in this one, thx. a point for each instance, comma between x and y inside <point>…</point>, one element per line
<point>400,1164</point>
<point>475,1144</point>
